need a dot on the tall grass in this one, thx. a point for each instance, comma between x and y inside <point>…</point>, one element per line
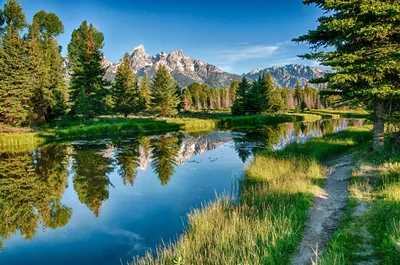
<point>341,113</point>
<point>103,129</point>
<point>18,142</point>
<point>265,224</point>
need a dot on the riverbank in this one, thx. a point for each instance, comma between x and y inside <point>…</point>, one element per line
<point>267,222</point>
<point>370,230</point>
<point>106,126</point>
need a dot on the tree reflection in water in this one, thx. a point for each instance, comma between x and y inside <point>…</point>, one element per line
<point>31,187</point>
<point>91,165</point>
<point>164,156</point>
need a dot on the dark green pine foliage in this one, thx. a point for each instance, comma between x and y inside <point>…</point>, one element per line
<point>50,93</point>
<point>179,94</point>
<point>145,92</point>
<point>164,100</point>
<point>15,74</point>
<point>364,54</point>
<point>239,106</point>
<point>253,98</point>
<point>127,97</point>
<point>88,88</point>
<point>266,86</point>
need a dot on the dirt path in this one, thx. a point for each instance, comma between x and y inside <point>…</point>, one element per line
<point>326,213</point>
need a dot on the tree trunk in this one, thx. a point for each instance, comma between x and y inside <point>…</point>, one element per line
<point>379,125</point>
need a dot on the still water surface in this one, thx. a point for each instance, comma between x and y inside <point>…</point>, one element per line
<point>106,201</point>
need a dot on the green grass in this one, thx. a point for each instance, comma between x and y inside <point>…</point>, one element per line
<point>339,113</point>
<point>376,181</point>
<point>19,142</point>
<point>106,126</point>
<point>127,126</point>
<point>265,224</point>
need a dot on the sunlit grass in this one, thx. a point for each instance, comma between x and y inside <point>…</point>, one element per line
<point>265,224</point>
<point>19,142</point>
<point>375,180</point>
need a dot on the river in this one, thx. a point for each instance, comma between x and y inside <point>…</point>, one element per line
<point>105,201</point>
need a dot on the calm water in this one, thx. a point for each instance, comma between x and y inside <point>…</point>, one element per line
<point>104,201</point>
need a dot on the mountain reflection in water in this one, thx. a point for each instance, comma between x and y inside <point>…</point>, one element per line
<point>43,190</point>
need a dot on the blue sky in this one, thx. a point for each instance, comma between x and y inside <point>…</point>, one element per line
<point>237,36</point>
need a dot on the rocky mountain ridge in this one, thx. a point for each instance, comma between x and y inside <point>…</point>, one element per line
<point>186,70</point>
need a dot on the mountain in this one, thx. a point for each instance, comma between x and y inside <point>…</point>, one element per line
<point>289,75</point>
<point>184,69</point>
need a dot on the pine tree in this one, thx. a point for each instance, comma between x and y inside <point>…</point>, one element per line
<point>364,36</point>
<point>88,88</point>
<point>126,92</point>
<point>253,99</point>
<point>266,86</point>
<point>15,74</point>
<point>239,106</point>
<point>163,95</point>
<point>179,95</point>
<point>298,94</point>
<point>50,90</point>
<point>145,92</point>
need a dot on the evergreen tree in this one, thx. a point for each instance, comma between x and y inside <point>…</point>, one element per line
<point>239,106</point>
<point>50,90</point>
<point>126,92</point>
<point>364,36</point>
<point>266,86</point>
<point>15,74</point>
<point>145,92</point>
<point>179,95</point>
<point>88,88</point>
<point>253,99</point>
<point>298,94</point>
<point>277,103</point>
<point>163,94</point>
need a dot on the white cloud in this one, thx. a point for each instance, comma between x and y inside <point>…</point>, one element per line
<point>228,58</point>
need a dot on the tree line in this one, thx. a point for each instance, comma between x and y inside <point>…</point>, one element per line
<point>34,91</point>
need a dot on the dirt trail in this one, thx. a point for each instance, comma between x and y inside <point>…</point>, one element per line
<point>326,213</point>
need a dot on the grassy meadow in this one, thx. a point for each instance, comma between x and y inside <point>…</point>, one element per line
<point>265,223</point>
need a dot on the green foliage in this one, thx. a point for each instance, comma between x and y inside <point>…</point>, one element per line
<point>145,92</point>
<point>364,42</point>
<point>164,100</point>
<point>15,77</point>
<point>91,180</point>
<point>164,155</point>
<point>126,93</point>
<point>13,17</point>
<point>50,92</point>
<point>31,187</point>
<point>240,105</point>
<point>88,88</point>
<point>266,85</point>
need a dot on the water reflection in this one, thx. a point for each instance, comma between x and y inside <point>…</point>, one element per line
<point>31,187</point>
<point>91,166</point>
<point>32,184</point>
